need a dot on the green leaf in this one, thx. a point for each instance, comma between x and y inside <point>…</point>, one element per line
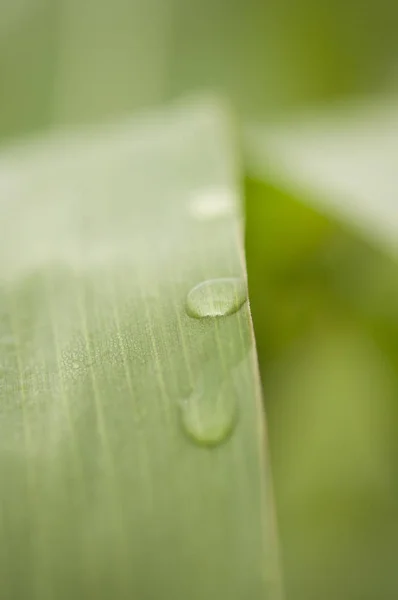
<point>103,233</point>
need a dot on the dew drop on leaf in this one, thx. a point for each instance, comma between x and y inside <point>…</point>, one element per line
<point>209,417</point>
<point>216,298</point>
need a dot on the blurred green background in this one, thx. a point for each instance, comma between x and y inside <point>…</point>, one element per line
<point>324,298</point>
<point>67,61</point>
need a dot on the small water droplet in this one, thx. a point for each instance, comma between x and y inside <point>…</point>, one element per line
<point>216,298</point>
<point>212,203</point>
<point>208,418</point>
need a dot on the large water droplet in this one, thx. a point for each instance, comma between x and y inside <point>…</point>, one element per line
<point>216,297</point>
<point>209,415</point>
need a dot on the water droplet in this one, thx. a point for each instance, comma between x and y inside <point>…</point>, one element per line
<point>209,416</point>
<point>216,298</point>
<point>212,203</point>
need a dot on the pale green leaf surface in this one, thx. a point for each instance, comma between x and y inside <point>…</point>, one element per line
<point>343,161</point>
<point>102,235</point>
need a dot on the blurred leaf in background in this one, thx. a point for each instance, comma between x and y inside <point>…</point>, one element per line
<point>66,61</point>
<point>29,42</point>
<point>326,318</point>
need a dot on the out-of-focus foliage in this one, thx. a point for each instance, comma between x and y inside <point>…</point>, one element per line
<point>321,248</point>
<point>67,61</point>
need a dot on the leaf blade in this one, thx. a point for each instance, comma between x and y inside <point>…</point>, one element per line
<point>94,280</point>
